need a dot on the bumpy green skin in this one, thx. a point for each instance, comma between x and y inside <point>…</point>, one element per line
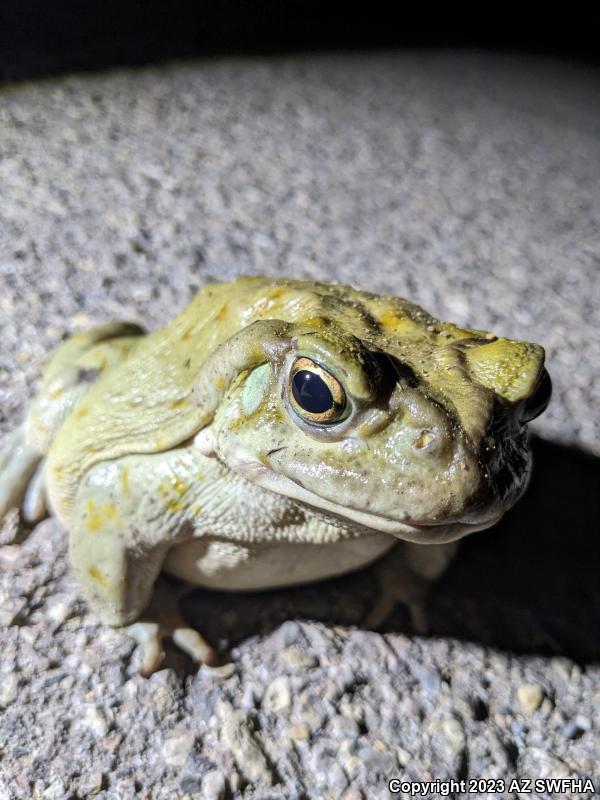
<point>179,448</point>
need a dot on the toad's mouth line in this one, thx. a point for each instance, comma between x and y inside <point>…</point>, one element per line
<point>419,532</point>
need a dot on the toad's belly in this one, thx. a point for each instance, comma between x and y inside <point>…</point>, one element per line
<point>234,566</point>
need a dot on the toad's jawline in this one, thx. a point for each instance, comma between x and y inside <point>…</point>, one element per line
<point>418,532</point>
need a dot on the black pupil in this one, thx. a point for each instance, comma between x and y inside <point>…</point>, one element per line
<point>311,392</point>
<point>538,403</point>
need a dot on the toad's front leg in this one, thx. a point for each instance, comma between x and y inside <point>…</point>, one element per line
<point>162,620</point>
<point>21,482</point>
<point>124,521</point>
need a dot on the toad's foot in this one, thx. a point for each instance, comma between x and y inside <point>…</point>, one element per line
<point>405,576</point>
<point>21,478</point>
<point>162,620</point>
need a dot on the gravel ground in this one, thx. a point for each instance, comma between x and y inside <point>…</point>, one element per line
<point>469,184</point>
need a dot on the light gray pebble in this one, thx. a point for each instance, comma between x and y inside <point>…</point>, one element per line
<point>337,780</point>
<point>238,736</point>
<point>296,659</point>
<point>543,764</point>
<point>288,634</point>
<point>343,727</point>
<point>278,696</point>
<point>203,699</point>
<point>177,745</point>
<point>214,785</point>
<point>11,608</point>
<point>91,783</point>
<point>377,763</point>
<point>576,727</point>
<point>9,685</point>
<point>9,528</point>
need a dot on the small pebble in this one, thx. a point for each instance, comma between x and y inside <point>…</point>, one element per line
<point>11,609</point>
<point>80,320</point>
<point>9,530</point>
<point>352,794</point>
<point>58,613</point>
<point>455,734</point>
<point>162,700</point>
<point>55,791</point>
<point>95,720</point>
<point>239,737</point>
<point>343,727</point>
<point>235,781</point>
<point>91,783</point>
<point>213,785</point>
<point>177,746</point>
<point>575,728</point>
<point>278,696</point>
<point>299,732</point>
<point>530,696</point>
<point>8,689</point>
<point>297,659</point>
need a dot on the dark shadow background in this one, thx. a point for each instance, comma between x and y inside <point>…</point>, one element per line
<point>529,585</point>
<point>39,38</point>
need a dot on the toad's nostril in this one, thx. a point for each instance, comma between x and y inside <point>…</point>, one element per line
<point>423,440</point>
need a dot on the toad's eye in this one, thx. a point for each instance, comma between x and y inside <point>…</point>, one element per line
<point>315,395</point>
<point>538,402</point>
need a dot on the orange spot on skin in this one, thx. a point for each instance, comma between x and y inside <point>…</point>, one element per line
<point>97,576</point>
<point>180,486</point>
<point>187,335</point>
<point>424,438</point>
<point>94,522</point>
<point>177,403</point>
<point>96,519</point>
<point>220,382</point>
<point>111,513</point>
<point>392,320</point>
<point>125,480</point>
<point>223,312</point>
<point>317,322</point>
<point>82,412</point>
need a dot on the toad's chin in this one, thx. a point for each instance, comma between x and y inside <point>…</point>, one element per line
<point>406,529</point>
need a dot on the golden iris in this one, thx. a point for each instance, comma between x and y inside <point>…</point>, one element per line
<point>316,395</point>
